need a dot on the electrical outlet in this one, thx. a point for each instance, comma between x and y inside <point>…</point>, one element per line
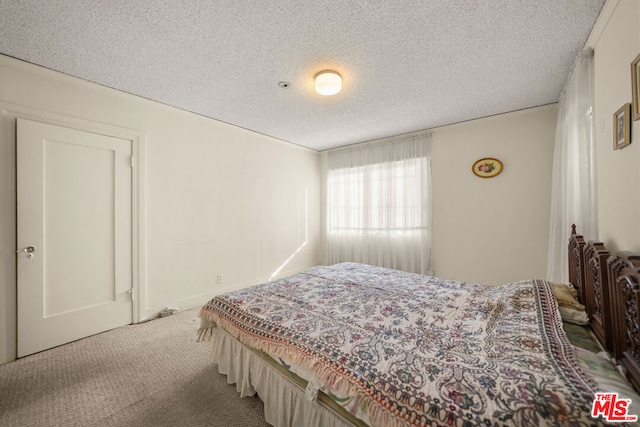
<point>220,279</point>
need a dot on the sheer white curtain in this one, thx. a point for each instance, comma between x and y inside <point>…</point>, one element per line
<point>378,208</point>
<point>573,182</point>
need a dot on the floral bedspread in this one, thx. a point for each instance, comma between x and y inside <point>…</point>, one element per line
<point>412,350</point>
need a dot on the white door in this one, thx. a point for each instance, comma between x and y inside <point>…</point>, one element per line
<point>74,234</point>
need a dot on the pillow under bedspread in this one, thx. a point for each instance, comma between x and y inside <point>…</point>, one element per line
<point>581,336</point>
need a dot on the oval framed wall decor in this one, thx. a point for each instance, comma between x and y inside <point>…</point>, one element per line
<point>487,167</point>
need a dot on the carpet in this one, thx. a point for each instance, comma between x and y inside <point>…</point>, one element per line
<point>150,374</point>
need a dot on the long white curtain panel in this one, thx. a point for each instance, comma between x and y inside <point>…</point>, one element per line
<point>573,180</point>
<point>378,204</point>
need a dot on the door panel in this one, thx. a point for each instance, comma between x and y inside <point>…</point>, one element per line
<point>74,206</point>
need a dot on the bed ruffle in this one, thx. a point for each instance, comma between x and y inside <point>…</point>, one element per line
<point>207,327</point>
<point>338,382</point>
<point>282,399</point>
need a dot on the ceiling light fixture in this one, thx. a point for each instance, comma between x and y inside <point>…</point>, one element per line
<point>328,82</point>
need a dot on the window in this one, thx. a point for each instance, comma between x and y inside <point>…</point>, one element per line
<point>377,205</point>
<point>376,199</point>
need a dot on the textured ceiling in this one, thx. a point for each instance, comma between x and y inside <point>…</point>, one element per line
<point>406,65</point>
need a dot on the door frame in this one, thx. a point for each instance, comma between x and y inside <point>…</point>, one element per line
<point>138,207</point>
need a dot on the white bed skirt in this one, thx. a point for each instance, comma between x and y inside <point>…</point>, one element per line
<point>285,403</point>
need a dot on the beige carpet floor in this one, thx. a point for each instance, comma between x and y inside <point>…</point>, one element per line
<point>151,374</point>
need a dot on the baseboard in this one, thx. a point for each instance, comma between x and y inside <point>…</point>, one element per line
<point>201,299</point>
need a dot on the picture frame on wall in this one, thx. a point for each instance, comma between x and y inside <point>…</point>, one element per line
<point>487,167</point>
<point>635,87</point>
<point>622,127</point>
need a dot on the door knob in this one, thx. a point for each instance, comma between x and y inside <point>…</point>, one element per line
<point>29,249</point>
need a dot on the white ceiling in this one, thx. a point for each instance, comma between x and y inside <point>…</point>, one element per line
<point>406,65</point>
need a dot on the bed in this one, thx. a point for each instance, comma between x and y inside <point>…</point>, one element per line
<point>352,344</point>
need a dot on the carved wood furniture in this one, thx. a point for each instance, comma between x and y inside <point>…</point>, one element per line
<point>597,282</point>
<point>624,277</point>
<point>609,287</point>
<point>576,269</point>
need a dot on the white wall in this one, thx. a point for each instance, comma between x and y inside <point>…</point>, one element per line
<point>493,231</point>
<point>618,171</point>
<point>219,199</point>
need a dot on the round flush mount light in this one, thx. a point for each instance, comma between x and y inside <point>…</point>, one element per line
<point>328,82</point>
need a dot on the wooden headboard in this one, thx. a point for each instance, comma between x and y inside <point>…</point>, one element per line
<point>599,292</point>
<point>624,277</point>
<point>576,264</point>
<point>609,287</point>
